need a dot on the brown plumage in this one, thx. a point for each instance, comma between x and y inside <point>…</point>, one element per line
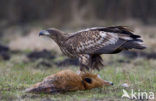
<point>68,80</point>
<point>87,45</point>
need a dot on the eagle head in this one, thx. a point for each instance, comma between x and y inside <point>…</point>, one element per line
<point>53,33</point>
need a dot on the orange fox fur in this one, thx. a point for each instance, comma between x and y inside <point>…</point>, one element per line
<point>68,80</point>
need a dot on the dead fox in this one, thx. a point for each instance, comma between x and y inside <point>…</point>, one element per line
<point>67,80</point>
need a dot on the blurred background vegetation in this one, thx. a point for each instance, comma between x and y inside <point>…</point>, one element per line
<point>60,12</point>
<point>22,16</point>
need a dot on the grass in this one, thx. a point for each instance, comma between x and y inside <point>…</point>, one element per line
<point>17,75</point>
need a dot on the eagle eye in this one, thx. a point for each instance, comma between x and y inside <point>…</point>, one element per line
<point>89,80</point>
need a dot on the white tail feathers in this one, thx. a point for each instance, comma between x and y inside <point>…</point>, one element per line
<point>140,44</point>
<point>134,45</point>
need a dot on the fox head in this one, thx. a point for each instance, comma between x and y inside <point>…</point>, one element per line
<point>91,80</point>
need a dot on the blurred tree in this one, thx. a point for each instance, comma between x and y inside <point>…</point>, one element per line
<point>27,11</point>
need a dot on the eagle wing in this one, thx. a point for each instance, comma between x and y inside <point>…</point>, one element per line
<point>101,40</point>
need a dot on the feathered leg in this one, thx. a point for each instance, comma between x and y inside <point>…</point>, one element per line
<point>89,62</point>
<point>84,60</point>
<point>96,62</point>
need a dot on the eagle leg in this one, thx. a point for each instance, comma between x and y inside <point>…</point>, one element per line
<point>89,62</point>
<point>84,60</point>
<point>83,67</point>
<point>96,62</point>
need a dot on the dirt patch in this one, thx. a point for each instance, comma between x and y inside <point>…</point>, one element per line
<point>45,54</point>
<point>46,58</point>
<point>67,62</point>
<point>43,63</point>
<point>4,52</point>
<point>135,54</point>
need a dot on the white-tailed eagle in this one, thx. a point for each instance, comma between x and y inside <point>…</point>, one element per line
<point>87,45</point>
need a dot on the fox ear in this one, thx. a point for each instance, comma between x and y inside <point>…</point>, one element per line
<point>88,80</point>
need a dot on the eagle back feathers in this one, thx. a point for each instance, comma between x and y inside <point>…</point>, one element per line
<point>99,38</point>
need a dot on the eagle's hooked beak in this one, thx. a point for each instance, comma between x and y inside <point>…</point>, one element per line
<point>44,33</point>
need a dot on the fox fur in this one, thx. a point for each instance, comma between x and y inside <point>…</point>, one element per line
<point>67,80</point>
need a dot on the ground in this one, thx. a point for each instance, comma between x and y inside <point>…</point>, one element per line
<point>138,73</point>
<point>136,70</point>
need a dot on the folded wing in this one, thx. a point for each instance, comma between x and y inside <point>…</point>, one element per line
<point>104,40</point>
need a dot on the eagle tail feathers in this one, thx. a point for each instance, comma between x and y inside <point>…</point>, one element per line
<point>134,44</point>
